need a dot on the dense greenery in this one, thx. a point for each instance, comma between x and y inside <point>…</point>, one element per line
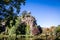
<point>9,9</point>
<point>58,29</point>
<point>57,32</point>
<point>21,29</point>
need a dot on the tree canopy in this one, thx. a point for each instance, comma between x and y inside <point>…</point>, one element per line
<point>58,29</point>
<point>9,9</point>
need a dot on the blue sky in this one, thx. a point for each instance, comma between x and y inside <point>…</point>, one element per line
<point>46,12</point>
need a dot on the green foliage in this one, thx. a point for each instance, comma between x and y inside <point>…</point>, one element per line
<point>13,29</point>
<point>9,9</point>
<point>58,29</point>
<point>21,29</point>
<point>27,30</point>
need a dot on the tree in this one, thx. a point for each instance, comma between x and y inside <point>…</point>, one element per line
<point>9,9</point>
<point>57,30</point>
<point>21,29</point>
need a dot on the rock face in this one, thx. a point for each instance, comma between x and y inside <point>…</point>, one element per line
<point>35,31</point>
<point>31,21</point>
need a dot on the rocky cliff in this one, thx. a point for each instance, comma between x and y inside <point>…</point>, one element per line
<point>28,19</point>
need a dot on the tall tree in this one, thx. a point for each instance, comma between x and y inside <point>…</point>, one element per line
<point>9,9</point>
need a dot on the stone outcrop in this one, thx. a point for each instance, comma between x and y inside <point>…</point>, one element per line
<point>31,21</point>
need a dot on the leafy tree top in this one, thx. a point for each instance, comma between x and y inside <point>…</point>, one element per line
<point>9,9</point>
